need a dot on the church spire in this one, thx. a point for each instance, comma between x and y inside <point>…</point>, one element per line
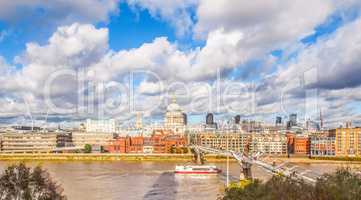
<point>174,100</point>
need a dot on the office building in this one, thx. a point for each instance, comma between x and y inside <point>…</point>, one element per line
<point>233,141</point>
<point>209,119</point>
<point>100,126</point>
<point>348,141</point>
<point>322,146</point>
<point>32,142</point>
<point>302,145</point>
<point>185,118</point>
<point>210,125</point>
<point>292,121</point>
<point>278,121</point>
<point>237,119</point>
<point>80,139</point>
<point>160,142</point>
<point>271,144</point>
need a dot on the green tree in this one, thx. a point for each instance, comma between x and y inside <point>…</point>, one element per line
<point>178,150</point>
<point>21,183</point>
<point>173,149</point>
<point>87,148</point>
<point>341,185</point>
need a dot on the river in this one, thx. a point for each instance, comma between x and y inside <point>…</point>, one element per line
<point>144,180</point>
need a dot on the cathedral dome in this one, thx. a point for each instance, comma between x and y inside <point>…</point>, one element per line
<point>173,107</point>
<point>174,117</point>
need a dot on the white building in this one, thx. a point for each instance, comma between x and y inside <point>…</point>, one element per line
<point>102,126</point>
<point>148,149</point>
<point>269,144</point>
<point>80,139</point>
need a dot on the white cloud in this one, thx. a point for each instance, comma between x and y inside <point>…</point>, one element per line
<point>330,67</point>
<point>335,59</point>
<point>270,24</point>
<point>57,12</point>
<point>72,45</point>
<point>235,33</point>
<point>221,52</point>
<point>70,48</point>
<point>146,87</point>
<point>175,12</point>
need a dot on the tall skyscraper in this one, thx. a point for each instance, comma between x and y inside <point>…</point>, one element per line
<point>278,121</point>
<point>185,118</point>
<point>293,119</point>
<point>209,119</point>
<point>237,119</point>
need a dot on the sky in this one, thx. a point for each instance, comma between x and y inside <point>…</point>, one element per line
<point>65,61</point>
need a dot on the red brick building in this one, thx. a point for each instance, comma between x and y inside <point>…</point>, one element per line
<point>290,142</point>
<point>162,142</point>
<point>117,145</point>
<point>302,145</point>
<point>126,145</point>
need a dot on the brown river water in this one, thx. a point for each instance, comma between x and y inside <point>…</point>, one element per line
<point>145,180</point>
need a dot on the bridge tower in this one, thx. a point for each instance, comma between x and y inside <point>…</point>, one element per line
<point>246,172</point>
<point>246,168</point>
<point>199,157</point>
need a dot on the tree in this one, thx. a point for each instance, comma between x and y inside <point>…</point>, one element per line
<point>173,149</point>
<point>341,185</point>
<point>87,148</point>
<point>21,183</point>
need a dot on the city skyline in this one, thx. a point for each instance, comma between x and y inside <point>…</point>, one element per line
<point>180,99</point>
<point>67,62</point>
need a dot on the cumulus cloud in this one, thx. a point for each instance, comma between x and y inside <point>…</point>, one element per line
<point>265,26</point>
<point>81,47</point>
<point>150,88</point>
<point>56,12</point>
<point>221,52</point>
<point>235,33</point>
<point>324,73</point>
<point>176,12</point>
<point>70,47</point>
<point>54,65</point>
<point>277,19</point>
<point>335,57</point>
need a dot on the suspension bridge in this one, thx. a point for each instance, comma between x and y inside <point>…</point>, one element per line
<point>260,160</point>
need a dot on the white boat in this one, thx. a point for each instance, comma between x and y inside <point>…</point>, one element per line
<point>199,169</point>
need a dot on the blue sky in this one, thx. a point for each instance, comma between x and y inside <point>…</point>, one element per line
<point>130,28</point>
<point>250,43</point>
